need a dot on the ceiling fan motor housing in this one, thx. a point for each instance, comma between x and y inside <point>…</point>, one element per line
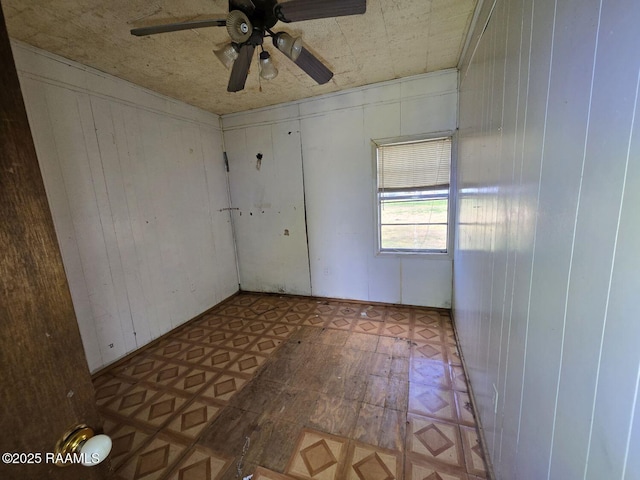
<point>239,26</point>
<point>250,21</point>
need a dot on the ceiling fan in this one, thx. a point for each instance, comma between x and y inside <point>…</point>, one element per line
<point>249,22</point>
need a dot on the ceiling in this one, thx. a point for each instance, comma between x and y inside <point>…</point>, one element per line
<point>394,39</point>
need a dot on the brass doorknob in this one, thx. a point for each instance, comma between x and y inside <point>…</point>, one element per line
<point>81,445</point>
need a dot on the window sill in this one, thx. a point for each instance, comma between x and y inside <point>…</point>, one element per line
<point>434,255</point>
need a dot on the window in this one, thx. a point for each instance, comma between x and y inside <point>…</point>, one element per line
<point>413,196</point>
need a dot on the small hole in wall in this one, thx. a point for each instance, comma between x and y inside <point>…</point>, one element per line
<point>251,213</point>
<point>286,232</point>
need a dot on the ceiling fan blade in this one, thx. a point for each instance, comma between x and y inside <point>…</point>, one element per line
<point>313,67</point>
<point>240,69</point>
<point>247,6</point>
<point>298,10</point>
<point>174,27</point>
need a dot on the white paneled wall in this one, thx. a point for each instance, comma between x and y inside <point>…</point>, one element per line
<point>546,264</point>
<point>268,193</point>
<point>324,144</point>
<point>137,187</point>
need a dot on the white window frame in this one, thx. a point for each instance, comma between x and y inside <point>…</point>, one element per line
<point>429,254</point>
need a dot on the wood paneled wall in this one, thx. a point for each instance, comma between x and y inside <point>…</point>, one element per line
<point>137,188</point>
<point>318,167</point>
<point>546,267</point>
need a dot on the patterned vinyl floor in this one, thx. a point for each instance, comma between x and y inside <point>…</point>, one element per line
<point>286,387</point>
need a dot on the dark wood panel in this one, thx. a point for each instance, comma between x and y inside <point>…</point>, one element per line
<point>46,387</point>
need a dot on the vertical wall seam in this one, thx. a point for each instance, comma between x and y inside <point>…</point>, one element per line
<point>635,395</point>
<point>136,248</point>
<point>573,244</point>
<point>73,225</point>
<point>102,225</point>
<point>206,182</point>
<point>304,204</point>
<point>230,201</point>
<point>484,28</point>
<point>467,42</point>
<point>508,225</point>
<point>606,314</point>
<point>106,188</point>
<point>517,221</point>
<point>535,233</point>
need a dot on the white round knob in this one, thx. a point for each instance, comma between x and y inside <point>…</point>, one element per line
<point>95,450</point>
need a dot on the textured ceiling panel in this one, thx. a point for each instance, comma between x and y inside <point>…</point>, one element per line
<point>394,39</point>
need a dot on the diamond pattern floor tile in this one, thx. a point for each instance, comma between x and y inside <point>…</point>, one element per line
<point>399,315</point>
<point>125,440</point>
<point>167,374</point>
<point>418,469</point>
<point>281,331</point>
<point>435,441</point>
<point>160,409</point>
<point>424,333</point>
<point>473,452</point>
<point>429,351</point>
<point>195,354</point>
<point>399,330</point>
<point>371,327</point>
<point>152,461</point>
<point>217,338</point>
<point>138,368</point>
<point>432,402</point>
<point>429,372</point>
<point>131,401</point>
<point>189,422</point>
<point>111,388</point>
<point>200,464</point>
<point>366,462</point>
<point>337,323</point>
<point>265,346</point>
<point>318,455</point>
<point>366,391</point>
<point>427,318</point>
<point>220,358</point>
<point>247,363</point>
<point>223,387</point>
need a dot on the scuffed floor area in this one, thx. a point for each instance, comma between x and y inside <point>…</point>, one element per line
<point>286,387</point>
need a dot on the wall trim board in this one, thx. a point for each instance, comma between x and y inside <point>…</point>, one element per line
<point>292,110</point>
<point>470,32</point>
<point>339,299</point>
<point>162,102</point>
<point>482,16</point>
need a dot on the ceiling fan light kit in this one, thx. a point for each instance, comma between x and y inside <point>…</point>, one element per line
<point>250,21</point>
<point>268,70</point>
<point>290,46</point>
<point>227,55</point>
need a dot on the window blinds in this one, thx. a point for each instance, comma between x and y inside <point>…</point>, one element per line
<point>417,165</point>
